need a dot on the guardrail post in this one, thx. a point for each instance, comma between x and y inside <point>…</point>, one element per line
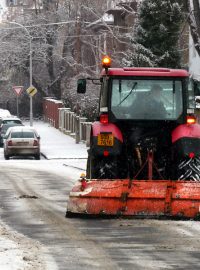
<point>77,129</point>
<point>68,113</point>
<point>88,130</point>
<point>72,123</point>
<point>65,119</point>
<point>81,121</point>
<point>61,118</point>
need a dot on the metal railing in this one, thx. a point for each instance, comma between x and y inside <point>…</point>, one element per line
<point>74,125</point>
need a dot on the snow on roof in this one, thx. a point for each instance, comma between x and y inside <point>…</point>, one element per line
<point>54,100</point>
<point>105,19</point>
<point>108,18</point>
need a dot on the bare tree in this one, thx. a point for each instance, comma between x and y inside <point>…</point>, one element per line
<point>61,52</point>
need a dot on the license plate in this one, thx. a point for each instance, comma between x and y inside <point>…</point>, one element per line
<point>105,140</point>
<point>22,143</point>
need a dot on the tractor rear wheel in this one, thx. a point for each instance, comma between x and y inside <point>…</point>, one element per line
<point>189,169</point>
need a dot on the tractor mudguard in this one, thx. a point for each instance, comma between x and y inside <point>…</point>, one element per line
<point>186,140</point>
<point>100,141</point>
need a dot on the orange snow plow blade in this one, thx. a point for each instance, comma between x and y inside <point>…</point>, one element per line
<point>143,198</point>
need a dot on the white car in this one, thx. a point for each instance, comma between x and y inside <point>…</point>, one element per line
<point>10,120</point>
<point>21,141</point>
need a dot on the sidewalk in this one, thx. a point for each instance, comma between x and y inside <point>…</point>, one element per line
<point>57,145</point>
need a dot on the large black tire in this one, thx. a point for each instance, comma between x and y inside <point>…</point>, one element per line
<point>189,169</point>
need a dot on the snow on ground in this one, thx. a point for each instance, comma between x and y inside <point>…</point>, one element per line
<point>56,145</point>
<point>18,252</point>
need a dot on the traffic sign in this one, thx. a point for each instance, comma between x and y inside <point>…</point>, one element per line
<point>18,89</point>
<point>31,91</point>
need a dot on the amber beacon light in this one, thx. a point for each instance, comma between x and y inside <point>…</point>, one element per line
<point>106,62</point>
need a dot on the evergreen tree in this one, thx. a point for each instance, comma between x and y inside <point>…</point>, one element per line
<point>155,41</point>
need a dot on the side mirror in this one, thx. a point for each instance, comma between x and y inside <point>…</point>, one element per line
<point>81,86</point>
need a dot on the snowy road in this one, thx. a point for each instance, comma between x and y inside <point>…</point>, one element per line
<point>33,204</point>
<point>34,233</point>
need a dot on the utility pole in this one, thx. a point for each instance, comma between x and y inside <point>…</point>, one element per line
<point>78,43</point>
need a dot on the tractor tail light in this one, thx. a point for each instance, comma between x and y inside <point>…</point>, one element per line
<point>191,119</point>
<point>104,118</point>
<point>191,155</point>
<point>105,153</point>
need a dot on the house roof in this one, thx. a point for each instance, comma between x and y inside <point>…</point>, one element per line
<point>109,16</point>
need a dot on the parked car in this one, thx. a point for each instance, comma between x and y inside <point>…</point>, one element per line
<point>3,130</point>
<point>21,141</point>
<point>10,120</point>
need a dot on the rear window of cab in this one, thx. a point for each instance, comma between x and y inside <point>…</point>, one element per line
<point>11,121</point>
<point>22,134</point>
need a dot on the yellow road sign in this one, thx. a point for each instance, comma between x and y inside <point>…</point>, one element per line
<point>31,91</point>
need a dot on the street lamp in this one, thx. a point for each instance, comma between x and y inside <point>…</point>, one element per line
<point>30,67</point>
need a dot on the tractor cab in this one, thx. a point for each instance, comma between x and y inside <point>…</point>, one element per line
<point>144,94</point>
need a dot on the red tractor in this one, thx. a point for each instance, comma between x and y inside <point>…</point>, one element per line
<point>144,155</point>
